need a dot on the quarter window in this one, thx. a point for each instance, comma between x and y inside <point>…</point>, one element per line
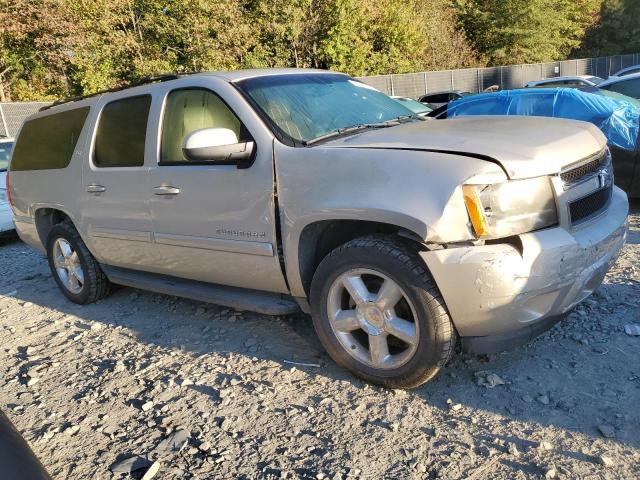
<point>48,142</point>
<point>188,110</point>
<point>122,131</point>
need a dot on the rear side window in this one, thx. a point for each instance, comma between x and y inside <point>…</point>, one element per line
<point>631,88</point>
<point>121,133</point>
<point>48,142</point>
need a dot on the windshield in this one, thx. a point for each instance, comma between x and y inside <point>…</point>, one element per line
<point>595,80</point>
<point>5,150</point>
<point>308,106</point>
<point>414,105</point>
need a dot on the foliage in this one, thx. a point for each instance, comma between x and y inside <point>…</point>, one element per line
<point>66,47</point>
<point>616,30</point>
<point>526,31</point>
<point>54,48</point>
<point>32,49</point>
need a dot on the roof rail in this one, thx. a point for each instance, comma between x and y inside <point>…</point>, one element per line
<point>137,83</point>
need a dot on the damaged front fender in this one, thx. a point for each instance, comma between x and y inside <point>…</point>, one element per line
<point>498,288</point>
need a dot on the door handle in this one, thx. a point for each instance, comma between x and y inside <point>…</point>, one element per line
<point>95,188</point>
<point>166,190</point>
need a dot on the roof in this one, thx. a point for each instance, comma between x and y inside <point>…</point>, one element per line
<point>560,79</point>
<point>612,80</point>
<point>237,75</point>
<point>444,91</point>
<point>231,76</point>
<point>626,69</point>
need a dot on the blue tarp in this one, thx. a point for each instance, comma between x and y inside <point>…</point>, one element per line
<point>618,118</point>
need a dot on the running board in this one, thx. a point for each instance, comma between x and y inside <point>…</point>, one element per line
<point>239,299</point>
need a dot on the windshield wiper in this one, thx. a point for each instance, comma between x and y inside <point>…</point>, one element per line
<point>353,129</point>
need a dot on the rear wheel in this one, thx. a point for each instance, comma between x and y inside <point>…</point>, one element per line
<point>379,314</point>
<point>74,269</point>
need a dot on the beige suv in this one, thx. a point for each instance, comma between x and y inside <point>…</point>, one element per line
<point>275,190</point>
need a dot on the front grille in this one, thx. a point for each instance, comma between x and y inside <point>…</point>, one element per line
<point>575,174</point>
<point>589,206</point>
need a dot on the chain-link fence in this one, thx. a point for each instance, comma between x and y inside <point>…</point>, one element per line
<point>414,85</point>
<point>12,114</point>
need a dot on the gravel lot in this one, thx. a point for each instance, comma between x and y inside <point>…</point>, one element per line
<point>91,386</point>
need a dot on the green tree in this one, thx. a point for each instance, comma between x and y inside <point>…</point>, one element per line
<point>33,50</point>
<point>526,31</point>
<point>122,40</point>
<point>53,48</point>
<point>616,30</point>
<point>285,33</point>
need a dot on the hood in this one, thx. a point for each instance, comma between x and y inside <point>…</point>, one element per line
<point>525,147</point>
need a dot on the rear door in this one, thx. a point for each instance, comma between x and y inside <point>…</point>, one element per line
<point>212,222</point>
<point>115,211</point>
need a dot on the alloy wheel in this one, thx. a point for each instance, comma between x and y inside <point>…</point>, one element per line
<point>68,266</point>
<point>373,318</point>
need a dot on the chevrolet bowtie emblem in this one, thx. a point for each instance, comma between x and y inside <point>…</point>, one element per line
<point>602,179</point>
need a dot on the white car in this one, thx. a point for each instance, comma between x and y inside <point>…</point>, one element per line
<point>566,82</point>
<point>6,215</point>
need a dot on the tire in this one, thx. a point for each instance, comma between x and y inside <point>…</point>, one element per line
<point>93,285</point>
<point>424,343</point>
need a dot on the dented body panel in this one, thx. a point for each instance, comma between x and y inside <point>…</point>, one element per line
<point>495,289</point>
<point>524,146</point>
<point>417,191</point>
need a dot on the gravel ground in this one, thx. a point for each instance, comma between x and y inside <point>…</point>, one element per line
<point>204,392</point>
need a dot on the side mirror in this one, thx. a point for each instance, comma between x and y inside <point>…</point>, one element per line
<point>216,145</point>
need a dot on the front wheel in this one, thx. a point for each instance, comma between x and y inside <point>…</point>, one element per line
<point>378,313</point>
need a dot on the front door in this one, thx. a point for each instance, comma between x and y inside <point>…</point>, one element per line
<point>115,216</point>
<point>212,222</point>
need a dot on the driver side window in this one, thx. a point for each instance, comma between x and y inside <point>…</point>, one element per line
<point>188,110</point>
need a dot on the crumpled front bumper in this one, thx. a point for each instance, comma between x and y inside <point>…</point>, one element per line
<point>500,296</point>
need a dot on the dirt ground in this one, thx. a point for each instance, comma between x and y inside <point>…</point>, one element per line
<point>205,392</point>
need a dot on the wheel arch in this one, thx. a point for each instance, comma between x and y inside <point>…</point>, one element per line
<point>45,218</point>
<point>316,239</point>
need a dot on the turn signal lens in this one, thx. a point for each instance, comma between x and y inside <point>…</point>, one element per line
<point>474,208</point>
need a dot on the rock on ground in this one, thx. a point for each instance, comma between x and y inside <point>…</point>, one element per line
<point>218,394</point>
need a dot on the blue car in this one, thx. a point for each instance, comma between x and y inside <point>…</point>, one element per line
<point>618,116</point>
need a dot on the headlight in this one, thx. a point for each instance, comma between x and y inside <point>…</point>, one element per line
<point>3,195</point>
<point>509,208</point>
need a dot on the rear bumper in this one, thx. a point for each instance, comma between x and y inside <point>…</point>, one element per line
<point>511,295</point>
<point>28,232</point>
